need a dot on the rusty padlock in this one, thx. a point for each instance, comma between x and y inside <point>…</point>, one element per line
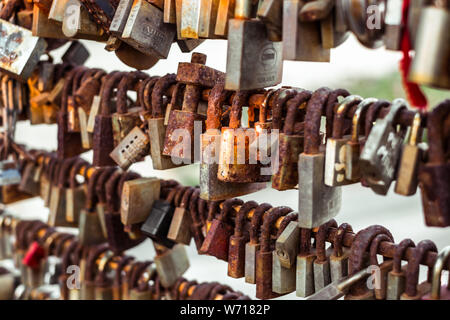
<point>291,142</point>
<point>103,284</point>
<point>87,291</point>
<point>76,193</point>
<point>210,186</point>
<point>236,251</point>
<point>181,124</point>
<point>396,281</point>
<point>118,283</point>
<point>196,206</point>
<point>238,156</point>
<point>321,265</point>
<point>103,140</point>
<point>434,175</point>
<point>339,259</point>
<point>217,239</point>
<point>381,274</point>
<point>264,256</point>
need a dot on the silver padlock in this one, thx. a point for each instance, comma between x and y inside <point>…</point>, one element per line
<point>253,61</point>
<point>318,203</point>
<point>381,152</point>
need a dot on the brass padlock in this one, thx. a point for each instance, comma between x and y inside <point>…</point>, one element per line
<point>76,193</point>
<point>180,226</point>
<point>171,264</point>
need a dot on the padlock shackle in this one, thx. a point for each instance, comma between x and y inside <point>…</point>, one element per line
<point>137,274</point>
<point>101,279</point>
<point>194,207</point>
<point>217,98</point>
<point>158,92</point>
<point>372,115</point>
<point>293,111</point>
<point>416,129</point>
<point>100,187</point>
<point>227,207</point>
<point>76,168</point>
<point>67,255</point>
<point>130,82</point>
<point>268,223</point>
<point>91,196</point>
<point>321,238</point>
<point>111,190</point>
<point>314,112</point>
<point>374,246</point>
<point>435,125</point>
<point>358,116</point>
<point>185,200</point>
<point>124,261</point>
<point>399,253</point>
<point>94,253</point>
<point>110,83</point>
<point>239,100</point>
<point>64,172</point>
<point>148,91</point>
<point>60,246</point>
<point>341,113</point>
<point>413,270</point>
<point>264,108</point>
<point>257,220</point>
<point>282,96</point>
<point>332,100</point>
<point>339,237</point>
<point>77,80</point>
<point>179,194</point>
<point>69,78</point>
<point>242,216</point>
<point>396,106</point>
<point>441,260</point>
<point>285,222</point>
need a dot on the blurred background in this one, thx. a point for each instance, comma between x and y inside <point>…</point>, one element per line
<point>369,73</point>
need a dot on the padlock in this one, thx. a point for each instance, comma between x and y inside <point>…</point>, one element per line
<point>301,40</point>
<point>170,12</point>
<point>137,199</point>
<point>44,180</point>
<point>283,277</point>
<point>217,239</point>
<point>182,122</point>
<point>321,266</point>
<point>95,108</point>
<point>64,279</point>
<point>264,256</point>
<point>339,258</point>
<point>414,290</point>
<point>412,156</point>
<point>210,186</point>
<point>146,31</point>
<point>271,13</point>
<point>76,54</point>
<point>21,51</point>
<point>354,146</point>
<point>171,264</point>
<point>180,226</point>
<point>102,12</point>
<point>120,17</point>
<point>185,44</point>
<point>335,154</point>
<point>318,202</point>
<point>57,214</point>
<point>157,224</point>
<point>103,285</point>
<point>379,158</point>
<point>118,238</point>
<point>103,140</point>
<point>36,112</point>
<point>397,276</point>
<point>359,261</point>
<point>291,144</point>
<point>156,128</point>
<point>238,158</point>
<point>78,23</point>
<point>126,118</point>
<point>190,18</point>
<point>438,292</point>
<point>361,23</point>
<point>304,277</point>
<point>131,149</point>
<point>381,273</point>
<point>75,194</point>
<point>393,25</point>
<point>434,174</point>
<point>100,190</point>
<point>225,12</point>
<point>57,9</point>
<point>87,290</point>
<point>236,251</point>
<point>69,143</point>
<point>90,229</point>
<point>287,245</point>
<point>253,61</point>
<point>139,286</point>
<point>430,63</point>
<point>195,210</point>
<point>73,122</point>
<point>119,284</point>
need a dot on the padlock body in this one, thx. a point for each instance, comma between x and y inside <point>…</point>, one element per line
<point>287,245</point>
<point>179,230</point>
<point>236,257</point>
<point>253,61</point>
<point>171,265</point>
<point>264,275</point>
<point>217,240</point>
<point>318,203</point>
<point>157,134</point>
<point>158,223</point>
<point>291,146</point>
<point>407,171</point>
<point>283,279</point>
<point>335,162</point>
<point>123,123</point>
<point>305,275</point>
